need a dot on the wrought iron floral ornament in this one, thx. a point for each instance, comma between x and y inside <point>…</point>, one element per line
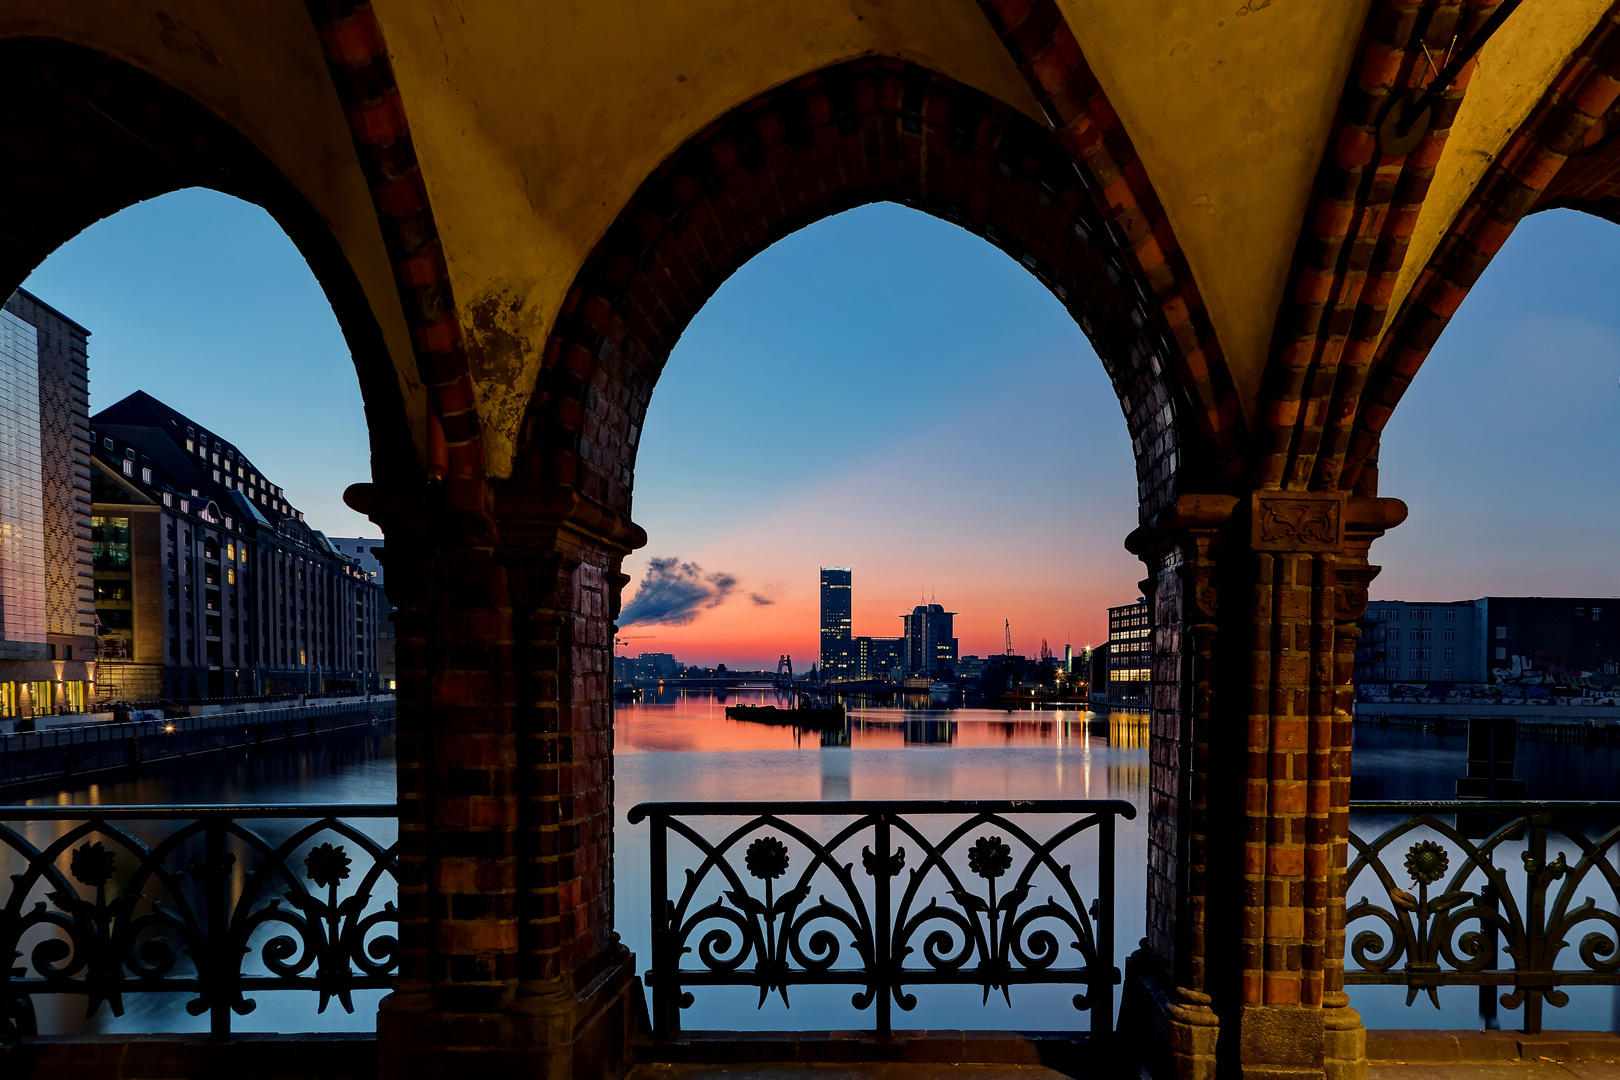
<point>927,922</point>
<point>331,927</point>
<point>102,926</point>
<point>990,859</point>
<point>767,860</point>
<point>1426,863</point>
<point>173,899</point>
<point>1486,923</point>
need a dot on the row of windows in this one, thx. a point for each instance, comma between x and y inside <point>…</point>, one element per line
<point>1416,672</point>
<point>1415,634</point>
<point>1415,614</point>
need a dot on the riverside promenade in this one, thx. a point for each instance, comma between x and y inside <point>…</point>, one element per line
<point>66,752</point>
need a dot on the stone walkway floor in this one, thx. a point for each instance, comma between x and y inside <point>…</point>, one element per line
<point>1494,1070</point>
<point>869,1071</point>
<point>1380,1070</point>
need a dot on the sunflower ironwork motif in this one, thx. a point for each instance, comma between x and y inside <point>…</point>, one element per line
<point>92,864</point>
<point>1426,862</point>
<point>767,858</point>
<point>989,857</point>
<point>327,865</point>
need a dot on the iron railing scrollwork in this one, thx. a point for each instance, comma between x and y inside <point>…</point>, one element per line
<point>883,896</point>
<point>1524,895</point>
<point>218,902</point>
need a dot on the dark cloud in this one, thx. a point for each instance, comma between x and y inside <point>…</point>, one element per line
<point>762,601</point>
<point>674,593</point>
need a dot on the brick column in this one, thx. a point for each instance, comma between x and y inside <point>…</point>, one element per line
<point>509,963</point>
<point>1255,610</point>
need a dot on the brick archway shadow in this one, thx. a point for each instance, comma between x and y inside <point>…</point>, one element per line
<point>83,136</point>
<point>870,130</point>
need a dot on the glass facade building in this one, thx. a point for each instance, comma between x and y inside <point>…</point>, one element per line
<point>22,512</point>
<point>47,642</point>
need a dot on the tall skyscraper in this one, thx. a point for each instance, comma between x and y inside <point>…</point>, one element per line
<point>47,628</point>
<point>930,634</point>
<point>837,617</point>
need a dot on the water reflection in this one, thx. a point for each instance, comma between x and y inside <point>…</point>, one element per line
<point>338,768</point>
<point>682,747</point>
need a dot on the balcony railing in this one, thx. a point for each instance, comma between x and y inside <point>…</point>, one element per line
<point>882,896</point>
<point>217,902</point>
<point>223,903</point>
<point>1519,895</point>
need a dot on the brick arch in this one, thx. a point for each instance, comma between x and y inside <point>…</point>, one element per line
<point>868,131</point>
<point>1353,242</point>
<point>1559,156</point>
<point>83,136</point>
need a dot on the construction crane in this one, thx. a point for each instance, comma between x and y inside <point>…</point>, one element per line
<point>624,638</point>
<point>1009,666</point>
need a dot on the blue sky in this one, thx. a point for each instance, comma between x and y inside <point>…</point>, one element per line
<point>201,300</point>
<point>887,391</point>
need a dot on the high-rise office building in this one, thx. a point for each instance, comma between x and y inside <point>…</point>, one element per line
<point>47,629</point>
<point>838,659</point>
<point>930,637</point>
<point>209,582</point>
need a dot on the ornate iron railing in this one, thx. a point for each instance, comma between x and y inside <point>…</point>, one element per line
<point>876,895</point>
<point>1498,890</point>
<point>220,902</point>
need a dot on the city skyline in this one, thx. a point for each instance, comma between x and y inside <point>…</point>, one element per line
<point>940,352</point>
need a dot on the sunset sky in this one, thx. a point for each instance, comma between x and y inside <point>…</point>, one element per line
<point>886,391</point>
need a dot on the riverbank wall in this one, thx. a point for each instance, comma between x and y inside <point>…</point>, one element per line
<point>1535,726</point>
<point>67,752</point>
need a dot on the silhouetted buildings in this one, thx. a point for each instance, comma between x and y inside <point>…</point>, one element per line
<point>930,636</point>
<point>208,582</point>
<point>47,617</point>
<point>881,658</point>
<point>837,620</point>
<point>650,666</point>
<point>926,649</point>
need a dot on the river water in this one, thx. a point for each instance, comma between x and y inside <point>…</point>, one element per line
<point>683,748</point>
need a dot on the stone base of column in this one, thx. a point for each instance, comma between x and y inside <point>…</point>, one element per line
<point>568,1038</point>
<point>1344,1044</point>
<point>1172,1037</point>
<point>1281,1042</point>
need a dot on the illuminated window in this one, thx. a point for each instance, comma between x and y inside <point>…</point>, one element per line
<point>230,576</point>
